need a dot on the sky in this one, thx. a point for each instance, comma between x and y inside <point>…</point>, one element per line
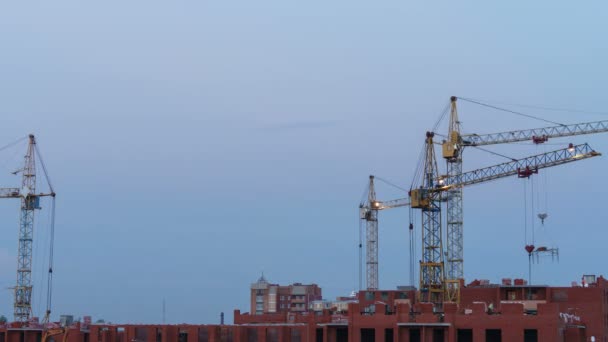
<point>194,145</point>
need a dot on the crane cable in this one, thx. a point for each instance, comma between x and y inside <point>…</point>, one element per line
<point>555,109</point>
<point>360,254</point>
<point>511,111</point>
<point>364,196</point>
<point>543,205</point>
<point>526,217</point>
<point>11,159</point>
<point>362,204</point>
<point>495,153</point>
<point>546,186</point>
<point>442,116</point>
<point>391,184</point>
<point>532,213</point>
<point>49,288</point>
<point>525,214</point>
<point>13,143</point>
<point>412,241</point>
<point>418,171</point>
<point>46,174</point>
<point>42,244</point>
<point>491,152</point>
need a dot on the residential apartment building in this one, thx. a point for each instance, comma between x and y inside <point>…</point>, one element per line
<point>267,298</point>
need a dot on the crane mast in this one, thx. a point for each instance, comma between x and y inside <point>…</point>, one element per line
<point>452,153</point>
<point>432,273</point>
<point>371,233</point>
<point>29,203</point>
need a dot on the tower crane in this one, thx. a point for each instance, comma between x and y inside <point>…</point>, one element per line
<point>368,211</point>
<point>432,273</point>
<point>30,202</point>
<point>436,188</point>
<point>453,149</point>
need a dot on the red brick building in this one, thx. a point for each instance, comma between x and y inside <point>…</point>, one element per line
<point>487,313</point>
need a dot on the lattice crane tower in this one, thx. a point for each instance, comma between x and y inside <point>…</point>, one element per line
<point>30,202</point>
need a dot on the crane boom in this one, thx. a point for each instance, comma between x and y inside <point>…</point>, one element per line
<point>535,134</point>
<point>396,203</point>
<point>16,193</point>
<point>522,167</point>
<point>10,193</point>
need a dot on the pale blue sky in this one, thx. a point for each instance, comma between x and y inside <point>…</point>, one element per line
<point>195,144</point>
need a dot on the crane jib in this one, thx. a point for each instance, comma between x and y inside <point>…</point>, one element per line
<point>518,167</point>
<point>535,133</point>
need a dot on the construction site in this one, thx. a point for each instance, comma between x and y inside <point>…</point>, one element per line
<point>439,304</point>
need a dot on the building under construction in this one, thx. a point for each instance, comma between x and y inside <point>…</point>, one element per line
<point>486,313</point>
<point>441,308</point>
